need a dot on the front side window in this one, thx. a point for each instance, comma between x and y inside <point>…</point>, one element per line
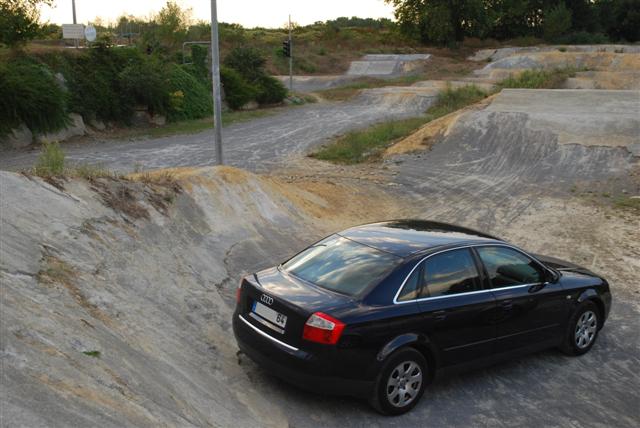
<point>449,273</point>
<point>342,265</point>
<point>507,267</point>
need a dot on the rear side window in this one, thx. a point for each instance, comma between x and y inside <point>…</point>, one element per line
<point>507,267</point>
<point>411,287</point>
<point>449,273</point>
<point>342,265</point>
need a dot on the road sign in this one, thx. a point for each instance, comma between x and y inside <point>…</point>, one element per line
<point>73,31</point>
<point>90,33</point>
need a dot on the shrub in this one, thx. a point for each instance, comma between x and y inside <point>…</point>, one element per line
<point>94,83</point>
<point>30,94</point>
<point>190,99</point>
<point>237,91</point>
<point>583,38</point>
<point>270,90</point>
<point>247,61</point>
<point>51,160</point>
<point>145,84</point>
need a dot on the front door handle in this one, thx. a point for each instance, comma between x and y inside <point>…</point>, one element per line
<point>440,315</point>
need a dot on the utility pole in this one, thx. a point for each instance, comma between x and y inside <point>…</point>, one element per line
<point>215,76</point>
<point>73,6</point>
<point>290,58</point>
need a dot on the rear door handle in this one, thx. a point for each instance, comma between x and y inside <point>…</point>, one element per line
<point>507,304</point>
<point>440,315</point>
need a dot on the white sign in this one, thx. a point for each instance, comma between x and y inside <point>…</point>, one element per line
<point>90,33</point>
<point>72,31</point>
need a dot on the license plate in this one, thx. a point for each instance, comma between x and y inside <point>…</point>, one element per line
<point>269,314</point>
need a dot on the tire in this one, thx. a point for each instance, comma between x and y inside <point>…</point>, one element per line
<point>582,330</point>
<point>395,397</point>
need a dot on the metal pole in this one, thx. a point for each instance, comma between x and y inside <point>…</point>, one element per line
<point>290,58</point>
<point>215,76</point>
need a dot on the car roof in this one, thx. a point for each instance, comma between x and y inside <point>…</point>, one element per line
<point>406,237</point>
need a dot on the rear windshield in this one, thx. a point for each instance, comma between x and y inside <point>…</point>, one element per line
<point>342,265</point>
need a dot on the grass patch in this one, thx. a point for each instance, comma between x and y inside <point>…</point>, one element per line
<point>627,202</point>
<point>539,79</point>
<point>367,144</point>
<point>94,354</point>
<point>359,146</point>
<point>199,125</point>
<point>348,91</point>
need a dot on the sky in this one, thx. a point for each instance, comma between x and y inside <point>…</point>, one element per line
<point>248,13</point>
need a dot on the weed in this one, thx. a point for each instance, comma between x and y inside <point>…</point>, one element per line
<point>51,161</point>
<point>94,354</point>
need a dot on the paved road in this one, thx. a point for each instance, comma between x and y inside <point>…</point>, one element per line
<point>258,145</point>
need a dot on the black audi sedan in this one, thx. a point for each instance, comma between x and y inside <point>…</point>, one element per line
<point>376,311</point>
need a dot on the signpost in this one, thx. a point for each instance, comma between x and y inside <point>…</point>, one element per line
<point>73,31</point>
<point>215,76</point>
<point>90,33</point>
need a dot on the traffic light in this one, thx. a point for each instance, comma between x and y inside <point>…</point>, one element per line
<point>286,48</point>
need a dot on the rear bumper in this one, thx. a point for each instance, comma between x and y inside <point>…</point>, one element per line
<point>293,365</point>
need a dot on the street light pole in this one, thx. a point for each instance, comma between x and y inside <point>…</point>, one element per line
<point>215,76</point>
<point>73,6</point>
<point>290,58</point>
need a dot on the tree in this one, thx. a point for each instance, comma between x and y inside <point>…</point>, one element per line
<point>441,21</point>
<point>172,25</point>
<point>19,21</point>
<point>557,22</point>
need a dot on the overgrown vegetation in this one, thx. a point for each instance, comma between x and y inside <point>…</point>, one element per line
<point>19,21</point>
<point>363,145</point>
<point>30,94</point>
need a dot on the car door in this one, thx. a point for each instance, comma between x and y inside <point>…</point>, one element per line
<point>456,310</point>
<point>530,310</point>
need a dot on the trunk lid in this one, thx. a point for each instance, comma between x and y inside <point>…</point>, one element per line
<point>283,294</point>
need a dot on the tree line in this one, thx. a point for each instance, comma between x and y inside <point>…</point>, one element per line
<point>565,21</point>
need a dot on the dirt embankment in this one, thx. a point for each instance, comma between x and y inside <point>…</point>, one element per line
<point>117,295</point>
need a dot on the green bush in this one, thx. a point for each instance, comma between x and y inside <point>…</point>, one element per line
<point>237,91</point>
<point>250,63</point>
<point>247,61</point>
<point>270,90</point>
<point>30,94</point>
<point>189,98</point>
<point>145,83</point>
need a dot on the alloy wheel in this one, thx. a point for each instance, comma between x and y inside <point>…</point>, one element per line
<point>404,383</point>
<point>586,329</point>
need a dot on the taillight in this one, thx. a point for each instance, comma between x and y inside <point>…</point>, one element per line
<point>239,291</point>
<point>322,328</point>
